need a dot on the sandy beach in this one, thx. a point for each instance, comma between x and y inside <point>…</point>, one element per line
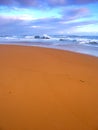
<point>47,89</point>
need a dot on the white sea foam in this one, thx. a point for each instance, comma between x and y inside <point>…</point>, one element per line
<point>82,44</point>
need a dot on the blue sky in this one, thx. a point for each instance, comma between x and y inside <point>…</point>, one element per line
<point>35,17</point>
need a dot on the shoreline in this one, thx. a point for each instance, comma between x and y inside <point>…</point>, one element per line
<point>47,89</point>
<point>44,46</point>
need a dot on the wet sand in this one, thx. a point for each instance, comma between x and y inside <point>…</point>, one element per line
<point>47,89</point>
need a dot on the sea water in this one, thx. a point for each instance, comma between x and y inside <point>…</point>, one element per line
<point>81,44</point>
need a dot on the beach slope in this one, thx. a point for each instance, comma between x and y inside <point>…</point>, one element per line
<point>47,89</point>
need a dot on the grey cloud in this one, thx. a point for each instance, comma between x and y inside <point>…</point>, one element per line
<point>42,3</point>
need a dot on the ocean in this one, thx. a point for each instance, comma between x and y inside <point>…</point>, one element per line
<point>81,44</point>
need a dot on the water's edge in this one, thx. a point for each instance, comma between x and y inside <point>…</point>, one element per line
<point>68,47</point>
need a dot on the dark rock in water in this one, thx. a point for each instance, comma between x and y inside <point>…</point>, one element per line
<point>45,37</point>
<point>37,37</point>
<point>62,39</point>
<point>93,43</point>
<point>42,37</point>
<point>74,40</point>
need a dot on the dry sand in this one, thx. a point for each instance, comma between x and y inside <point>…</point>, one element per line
<point>47,89</point>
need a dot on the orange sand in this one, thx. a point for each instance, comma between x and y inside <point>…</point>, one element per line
<point>47,89</point>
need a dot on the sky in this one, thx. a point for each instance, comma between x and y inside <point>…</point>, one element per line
<point>52,17</point>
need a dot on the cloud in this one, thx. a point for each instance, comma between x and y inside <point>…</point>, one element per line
<point>42,3</point>
<point>21,3</point>
<point>40,26</point>
<point>83,1</point>
<point>6,2</point>
<point>77,12</point>
<point>57,2</point>
<point>13,26</point>
<point>27,3</point>
<point>70,18</point>
<point>67,16</point>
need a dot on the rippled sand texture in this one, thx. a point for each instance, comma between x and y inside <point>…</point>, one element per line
<point>47,89</point>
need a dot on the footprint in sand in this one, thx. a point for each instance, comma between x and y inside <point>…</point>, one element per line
<point>10,92</point>
<point>82,81</point>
